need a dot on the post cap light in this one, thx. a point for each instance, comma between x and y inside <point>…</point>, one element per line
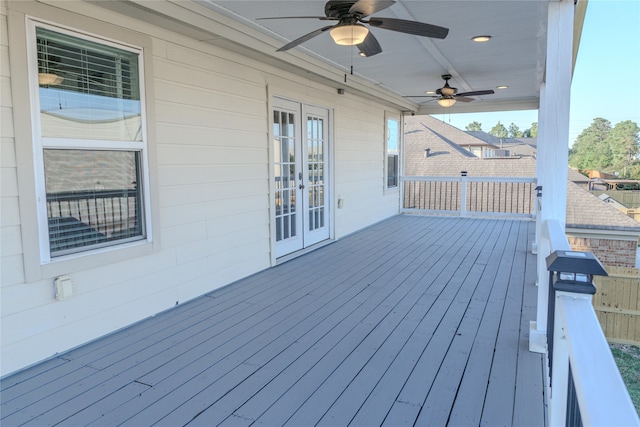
<point>575,262</point>
<point>349,34</point>
<point>574,271</point>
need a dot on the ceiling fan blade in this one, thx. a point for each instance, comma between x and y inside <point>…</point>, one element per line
<point>410,27</point>
<point>463,99</point>
<point>370,46</point>
<point>476,93</point>
<point>369,7</point>
<point>322,18</point>
<point>304,38</point>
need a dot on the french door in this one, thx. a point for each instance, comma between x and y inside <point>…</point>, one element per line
<point>301,172</point>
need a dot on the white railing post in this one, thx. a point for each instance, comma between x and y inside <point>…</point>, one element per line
<point>463,194</point>
<point>602,397</point>
<point>560,363</point>
<point>551,239</point>
<point>585,385</point>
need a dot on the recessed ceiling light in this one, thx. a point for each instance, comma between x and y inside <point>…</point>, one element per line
<point>430,92</point>
<point>481,39</point>
<point>502,87</point>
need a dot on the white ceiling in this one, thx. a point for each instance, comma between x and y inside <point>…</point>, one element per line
<point>411,65</point>
<point>408,65</point>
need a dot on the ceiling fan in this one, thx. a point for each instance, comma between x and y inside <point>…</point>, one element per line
<point>350,30</point>
<point>447,95</point>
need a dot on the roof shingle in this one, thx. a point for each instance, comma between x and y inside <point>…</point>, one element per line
<point>446,158</point>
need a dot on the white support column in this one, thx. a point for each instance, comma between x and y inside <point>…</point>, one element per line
<point>553,145</point>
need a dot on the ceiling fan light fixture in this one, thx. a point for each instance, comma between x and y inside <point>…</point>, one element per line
<point>349,34</point>
<point>446,102</point>
<point>481,39</point>
<point>448,91</point>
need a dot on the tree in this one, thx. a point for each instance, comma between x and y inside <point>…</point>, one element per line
<point>514,131</point>
<point>623,140</point>
<point>590,150</point>
<point>499,130</point>
<point>532,132</point>
<point>474,126</point>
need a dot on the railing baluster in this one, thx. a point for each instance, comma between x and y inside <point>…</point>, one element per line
<point>573,409</point>
<point>92,210</point>
<point>501,196</point>
<point>113,215</point>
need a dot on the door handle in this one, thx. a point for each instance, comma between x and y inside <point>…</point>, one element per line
<point>301,186</point>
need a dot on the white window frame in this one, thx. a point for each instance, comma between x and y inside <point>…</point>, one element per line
<point>391,116</point>
<point>23,68</point>
<point>41,143</point>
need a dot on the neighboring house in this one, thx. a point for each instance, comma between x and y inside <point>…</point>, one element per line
<point>603,181</point>
<point>445,157</point>
<point>597,226</point>
<point>579,179</point>
<point>522,147</point>
<point>620,184</point>
<point>468,142</point>
<point>591,224</point>
<point>593,173</point>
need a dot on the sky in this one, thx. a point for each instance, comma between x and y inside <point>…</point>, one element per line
<point>606,79</point>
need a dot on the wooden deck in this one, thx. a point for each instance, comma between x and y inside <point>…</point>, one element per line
<point>414,321</point>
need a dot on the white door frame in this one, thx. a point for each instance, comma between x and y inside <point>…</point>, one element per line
<point>301,187</point>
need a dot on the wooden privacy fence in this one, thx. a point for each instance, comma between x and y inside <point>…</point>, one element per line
<point>629,198</point>
<point>617,304</point>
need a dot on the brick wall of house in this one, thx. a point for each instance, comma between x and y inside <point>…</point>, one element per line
<point>619,253</point>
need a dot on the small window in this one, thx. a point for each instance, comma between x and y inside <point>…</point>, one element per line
<point>91,143</point>
<point>392,152</point>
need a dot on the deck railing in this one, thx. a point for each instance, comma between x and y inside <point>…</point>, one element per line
<point>584,383</point>
<point>82,218</point>
<point>467,196</point>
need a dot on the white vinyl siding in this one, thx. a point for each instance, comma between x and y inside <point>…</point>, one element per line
<point>208,120</point>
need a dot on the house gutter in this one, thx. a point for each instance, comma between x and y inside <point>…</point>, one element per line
<point>596,232</point>
<point>578,24</point>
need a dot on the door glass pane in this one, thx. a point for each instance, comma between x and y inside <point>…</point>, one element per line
<point>315,159</point>
<point>285,174</point>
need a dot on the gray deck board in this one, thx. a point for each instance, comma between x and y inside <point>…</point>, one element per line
<point>308,384</point>
<point>414,321</point>
<point>360,389</point>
